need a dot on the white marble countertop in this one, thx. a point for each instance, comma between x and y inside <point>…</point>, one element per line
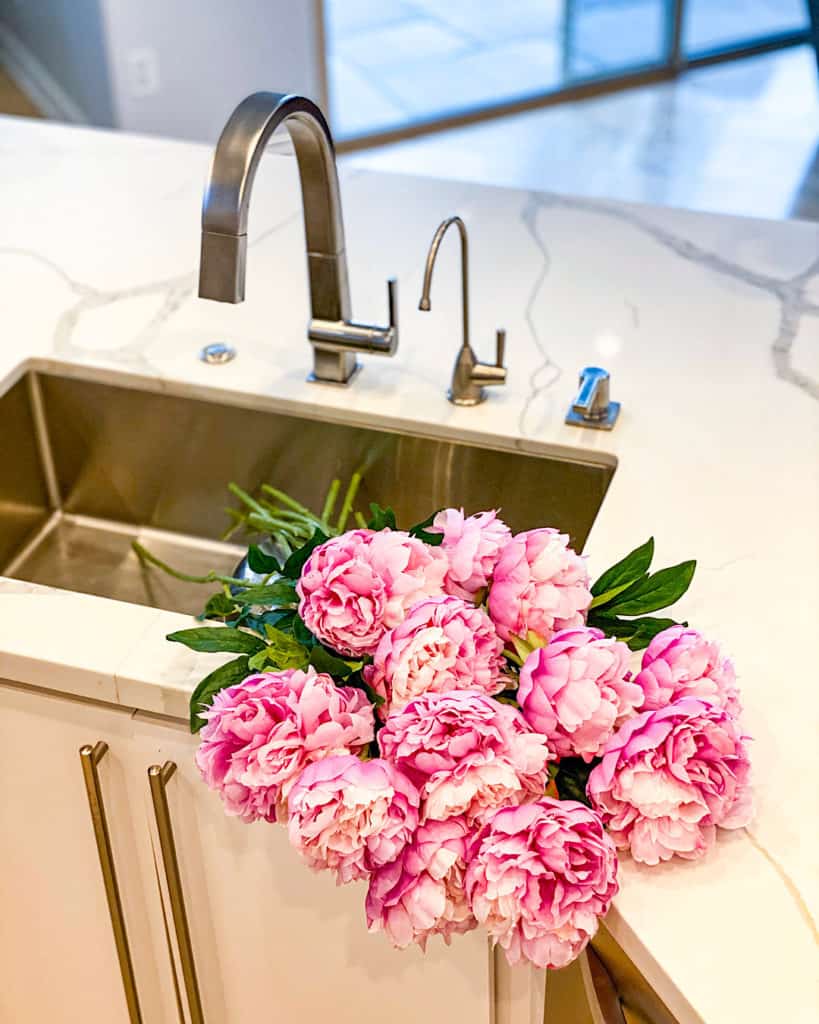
<point>710,328</point>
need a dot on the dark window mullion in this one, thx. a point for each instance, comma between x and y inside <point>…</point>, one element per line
<point>676,14</point>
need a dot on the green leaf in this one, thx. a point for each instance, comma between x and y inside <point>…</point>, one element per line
<point>219,606</point>
<point>608,595</point>
<point>202,697</point>
<point>282,652</point>
<point>258,662</point>
<point>273,594</point>
<point>302,633</point>
<point>295,563</point>
<point>381,518</point>
<point>660,590</point>
<point>259,561</point>
<point>285,651</point>
<point>281,618</point>
<point>323,660</point>
<point>217,638</point>
<point>420,531</point>
<point>572,777</point>
<point>627,570</point>
<point>524,647</point>
<point>637,633</point>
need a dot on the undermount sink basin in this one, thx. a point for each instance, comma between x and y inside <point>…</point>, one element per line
<point>89,467</point>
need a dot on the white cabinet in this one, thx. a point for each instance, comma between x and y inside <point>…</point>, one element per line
<point>271,940</point>
<point>57,956</point>
<point>275,942</point>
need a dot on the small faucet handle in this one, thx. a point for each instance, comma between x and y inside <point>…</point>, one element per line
<point>484,375</point>
<point>392,302</point>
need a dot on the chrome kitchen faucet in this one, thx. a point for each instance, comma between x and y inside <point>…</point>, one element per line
<point>335,337</point>
<point>468,376</point>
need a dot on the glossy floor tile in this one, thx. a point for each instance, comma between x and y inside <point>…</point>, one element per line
<point>738,138</point>
<point>710,24</point>
<point>396,62</point>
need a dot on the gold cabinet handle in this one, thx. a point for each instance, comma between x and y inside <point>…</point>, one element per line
<point>158,778</point>
<point>90,758</point>
<point>602,997</point>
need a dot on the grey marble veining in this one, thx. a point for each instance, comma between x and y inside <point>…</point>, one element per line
<point>546,373</point>
<point>789,293</point>
<point>98,267</point>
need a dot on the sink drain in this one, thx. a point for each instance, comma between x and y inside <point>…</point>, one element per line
<point>217,353</point>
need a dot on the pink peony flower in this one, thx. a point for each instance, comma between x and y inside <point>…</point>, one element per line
<point>576,691</point>
<point>539,877</point>
<point>668,778</point>
<point>680,662</point>
<point>355,587</point>
<point>540,585</point>
<point>473,545</point>
<point>443,644</point>
<point>261,733</point>
<point>421,893</point>
<point>467,753</point>
<point>351,816</point>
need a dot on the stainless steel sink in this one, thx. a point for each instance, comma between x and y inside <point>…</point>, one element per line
<point>89,467</point>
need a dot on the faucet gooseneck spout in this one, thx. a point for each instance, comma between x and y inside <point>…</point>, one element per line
<point>334,336</point>
<point>425,304</point>
<point>469,376</point>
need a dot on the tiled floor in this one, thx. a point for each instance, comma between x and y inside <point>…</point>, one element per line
<point>399,61</point>
<point>735,138</point>
<point>713,23</point>
<point>740,138</point>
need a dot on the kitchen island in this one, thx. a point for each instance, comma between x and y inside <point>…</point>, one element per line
<point>710,328</point>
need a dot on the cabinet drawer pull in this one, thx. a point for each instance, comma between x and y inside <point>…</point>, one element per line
<point>602,998</point>
<point>90,758</point>
<point>158,778</point>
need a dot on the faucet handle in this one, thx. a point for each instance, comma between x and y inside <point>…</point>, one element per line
<point>392,303</point>
<point>335,342</point>
<point>500,347</point>
<point>484,375</point>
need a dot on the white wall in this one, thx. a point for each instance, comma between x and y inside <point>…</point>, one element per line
<point>56,51</point>
<point>169,67</point>
<point>178,67</point>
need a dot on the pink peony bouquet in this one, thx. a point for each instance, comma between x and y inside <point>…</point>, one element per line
<point>452,715</point>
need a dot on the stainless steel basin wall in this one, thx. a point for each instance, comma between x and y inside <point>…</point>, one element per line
<point>127,461</point>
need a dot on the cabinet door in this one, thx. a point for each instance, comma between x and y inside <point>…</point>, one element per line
<point>57,955</point>
<point>274,942</point>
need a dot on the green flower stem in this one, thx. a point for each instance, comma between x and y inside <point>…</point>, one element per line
<point>291,517</point>
<point>281,513</point>
<point>264,524</point>
<point>267,524</point>
<point>330,500</point>
<point>246,499</point>
<point>361,522</point>
<point>285,499</point>
<point>267,518</point>
<point>238,522</point>
<point>296,526</point>
<point>146,558</point>
<point>349,498</point>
